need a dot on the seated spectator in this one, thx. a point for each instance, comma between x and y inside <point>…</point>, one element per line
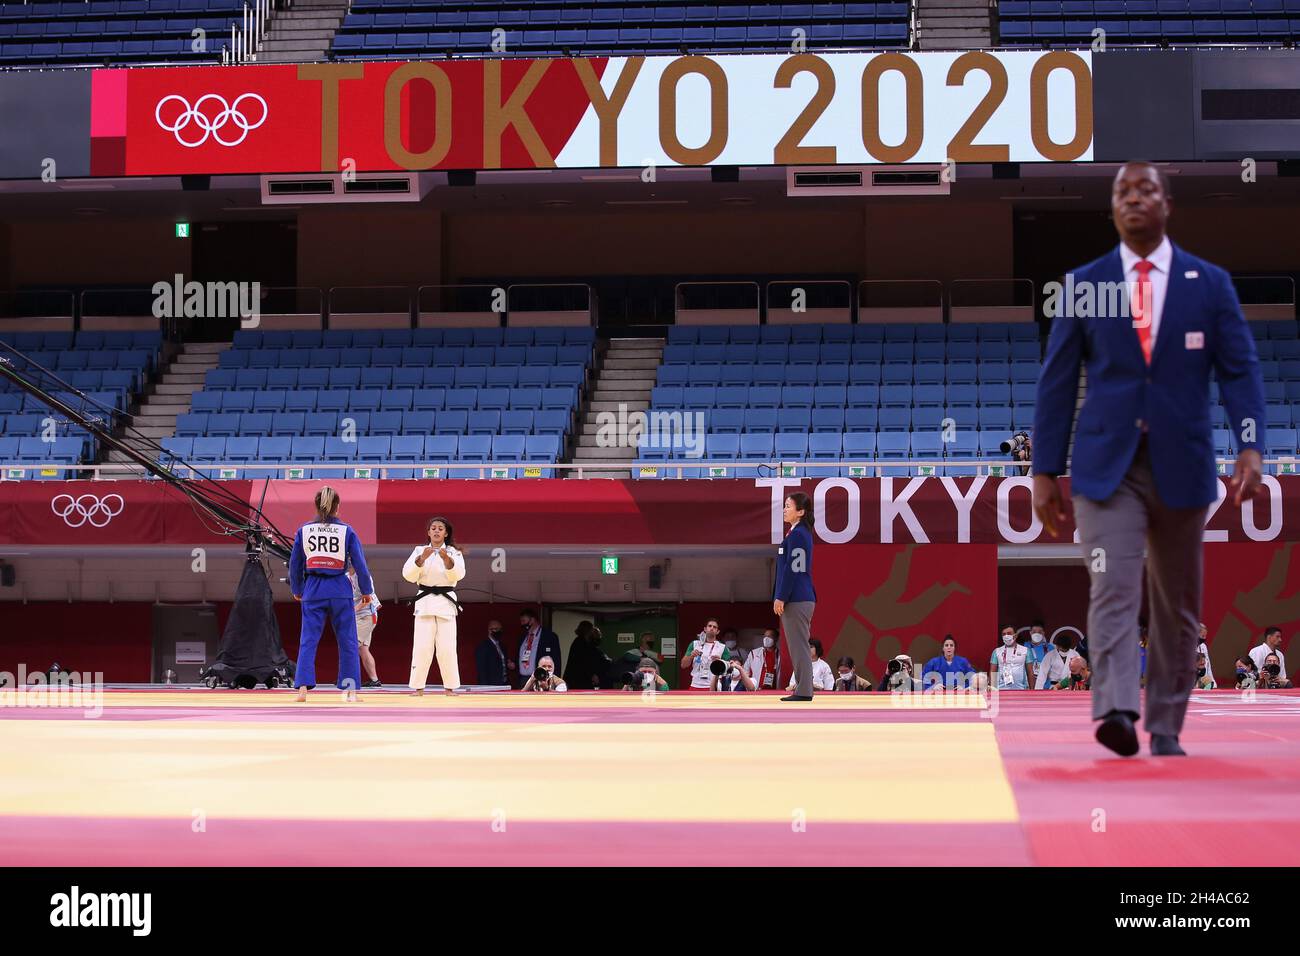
<point>947,671</point>
<point>1247,674</point>
<point>1204,679</point>
<point>1056,663</point>
<point>730,676</point>
<point>544,678</point>
<point>647,677</point>
<point>1270,675</point>
<point>764,662</point>
<point>899,677</point>
<point>823,679</point>
<point>1080,676</point>
<point>849,679</point>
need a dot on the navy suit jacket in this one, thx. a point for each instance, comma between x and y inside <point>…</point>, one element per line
<point>1171,397</point>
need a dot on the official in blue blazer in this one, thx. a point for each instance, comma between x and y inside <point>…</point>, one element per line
<point>793,594</point>
<point>1143,471</point>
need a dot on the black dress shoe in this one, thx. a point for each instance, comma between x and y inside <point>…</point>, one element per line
<point>1166,745</point>
<point>796,697</point>
<point>1116,732</point>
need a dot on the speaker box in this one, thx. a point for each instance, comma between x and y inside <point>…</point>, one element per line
<point>196,184</point>
<point>8,575</point>
<point>461,177</point>
<point>1006,170</point>
<point>725,174</point>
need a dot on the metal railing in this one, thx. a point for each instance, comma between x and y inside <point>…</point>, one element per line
<point>246,40</point>
<point>870,468</point>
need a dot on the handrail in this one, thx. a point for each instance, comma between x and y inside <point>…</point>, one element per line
<point>600,466</point>
<point>585,286</point>
<point>18,296</point>
<point>335,290</point>
<point>876,283</point>
<point>961,284</point>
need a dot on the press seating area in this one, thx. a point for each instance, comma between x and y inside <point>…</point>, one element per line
<point>376,29</point>
<point>422,396</point>
<point>1038,23</point>
<point>110,367</point>
<point>803,394</point>
<point>114,31</point>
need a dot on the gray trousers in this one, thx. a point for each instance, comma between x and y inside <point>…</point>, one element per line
<point>797,619</point>
<point>1116,531</point>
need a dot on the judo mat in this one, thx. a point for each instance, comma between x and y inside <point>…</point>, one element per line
<point>169,776</point>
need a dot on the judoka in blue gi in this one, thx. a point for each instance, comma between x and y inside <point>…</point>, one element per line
<point>322,551</point>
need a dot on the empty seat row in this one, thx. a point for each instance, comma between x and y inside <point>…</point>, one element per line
<point>59,341</point>
<point>611,32</point>
<point>809,353</point>
<point>864,373</point>
<point>76,9</point>
<point>50,50</point>
<point>1143,8</point>
<point>401,338</point>
<point>393,399</point>
<point>853,332</point>
<point>98,29</point>
<point>378,448</point>
<point>627,12</point>
<point>459,422</point>
<point>842,396</point>
<point>523,376</point>
<point>1275,329</point>
<point>1137,29</point>
<point>416,356</point>
<point>836,420</point>
<point>1278,349</point>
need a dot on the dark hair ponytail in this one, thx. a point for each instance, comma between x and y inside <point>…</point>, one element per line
<point>451,533</point>
<point>802,503</point>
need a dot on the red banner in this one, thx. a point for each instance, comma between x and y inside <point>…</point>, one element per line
<point>732,512</point>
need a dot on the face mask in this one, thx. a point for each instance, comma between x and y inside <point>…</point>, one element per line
<point>1062,649</point>
<point>1008,639</point>
<point>1241,672</point>
<point>769,643</point>
<point>847,677</point>
<point>731,645</point>
<point>1036,637</point>
<point>495,632</point>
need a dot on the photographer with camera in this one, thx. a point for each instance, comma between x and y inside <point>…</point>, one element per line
<point>1247,674</point>
<point>702,652</point>
<point>543,678</point>
<point>729,675</point>
<point>645,677</point>
<point>1270,675</point>
<point>1272,644</point>
<point>1204,679</point>
<point>1020,448</point>
<point>899,677</point>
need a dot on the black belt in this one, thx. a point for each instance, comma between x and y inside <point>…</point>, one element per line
<point>425,590</point>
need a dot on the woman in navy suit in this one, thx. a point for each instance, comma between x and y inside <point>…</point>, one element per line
<point>793,594</point>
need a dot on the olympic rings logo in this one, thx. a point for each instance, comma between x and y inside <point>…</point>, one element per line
<point>87,509</point>
<point>192,120</point>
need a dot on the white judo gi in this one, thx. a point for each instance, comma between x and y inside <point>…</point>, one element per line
<point>435,617</point>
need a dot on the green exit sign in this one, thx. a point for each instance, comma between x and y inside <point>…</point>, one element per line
<point>182,230</point>
<point>609,565</point>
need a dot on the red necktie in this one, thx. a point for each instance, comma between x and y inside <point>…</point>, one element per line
<point>1141,303</point>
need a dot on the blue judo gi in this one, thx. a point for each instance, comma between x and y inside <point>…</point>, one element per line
<point>318,576</point>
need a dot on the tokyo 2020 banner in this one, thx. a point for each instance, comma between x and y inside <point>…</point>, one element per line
<point>815,109</point>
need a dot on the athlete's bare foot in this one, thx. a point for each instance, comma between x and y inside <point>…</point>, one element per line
<point>351,697</point>
<point>302,695</point>
<point>418,692</point>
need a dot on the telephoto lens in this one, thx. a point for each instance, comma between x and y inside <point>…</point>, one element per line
<point>542,674</point>
<point>717,667</point>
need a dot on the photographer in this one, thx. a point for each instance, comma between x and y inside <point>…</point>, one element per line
<point>899,677</point>
<point>1270,675</point>
<point>848,679</point>
<point>543,678</point>
<point>1204,679</point>
<point>1247,675</point>
<point>1021,449</point>
<point>645,677</point>
<point>728,676</point>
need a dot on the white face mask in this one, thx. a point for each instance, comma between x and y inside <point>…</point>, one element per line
<point>1036,637</point>
<point>1008,639</point>
<point>847,677</point>
<point>769,643</point>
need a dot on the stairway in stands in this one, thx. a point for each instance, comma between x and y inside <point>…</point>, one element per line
<point>302,33</point>
<point>171,396</point>
<point>624,377</point>
<point>954,24</point>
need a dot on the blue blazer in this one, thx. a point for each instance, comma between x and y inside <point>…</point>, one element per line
<point>1172,397</point>
<point>791,584</point>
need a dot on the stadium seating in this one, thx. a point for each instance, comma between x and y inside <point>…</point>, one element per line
<point>1039,23</point>
<point>116,31</point>
<point>110,368</point>
<point>375,29</point>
